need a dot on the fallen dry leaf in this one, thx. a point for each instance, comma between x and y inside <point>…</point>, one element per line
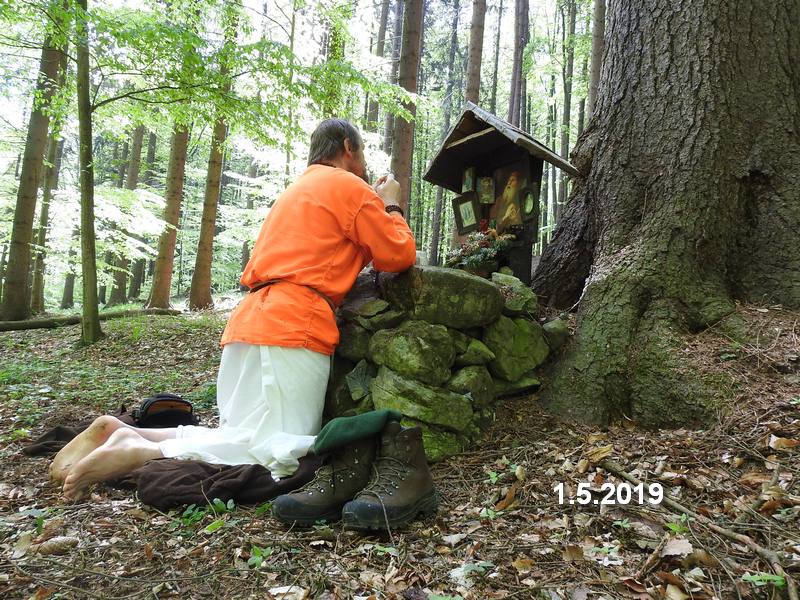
<point>289,592</point>
<point>754,478</point>
<point>780,443</point>
<point>56,545</point>
<point>506,502</point>
<point>523,565</point>
<point>598,454</point>
<point>583,466</point>
<point>677,547</point>
<point>572,553</point>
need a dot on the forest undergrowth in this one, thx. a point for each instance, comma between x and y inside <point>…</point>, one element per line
<point>500,531</point>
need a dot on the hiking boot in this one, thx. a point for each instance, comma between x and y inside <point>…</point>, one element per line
<point>345,473</point>
<point>401,486</point>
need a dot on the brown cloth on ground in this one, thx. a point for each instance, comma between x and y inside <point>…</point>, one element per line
<point>170,482</point>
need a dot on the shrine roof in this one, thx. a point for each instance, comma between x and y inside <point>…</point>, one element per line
<point>478,134</point>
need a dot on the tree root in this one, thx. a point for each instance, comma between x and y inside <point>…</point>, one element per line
<point>765,554</point>
<point>74,320</point>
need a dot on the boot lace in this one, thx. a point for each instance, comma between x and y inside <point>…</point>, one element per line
<point>387,472</point>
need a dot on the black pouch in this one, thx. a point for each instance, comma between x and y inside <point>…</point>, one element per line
<point>165,410</point>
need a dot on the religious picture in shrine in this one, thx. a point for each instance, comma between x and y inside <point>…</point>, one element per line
<point>509,183</point>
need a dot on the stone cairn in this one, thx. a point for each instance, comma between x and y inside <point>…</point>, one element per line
<point>440,346</point>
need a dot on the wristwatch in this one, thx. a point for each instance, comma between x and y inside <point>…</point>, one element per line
<point>395,208</point>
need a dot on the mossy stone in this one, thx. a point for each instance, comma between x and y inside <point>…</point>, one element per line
<point>353,341</point>
<point>416,349</point>
<point>475,381</point>
<point>524,385</point>
<point>425,403</point>
<point>439,443</point>
<point>476,353</point>
<point>444,296</point>
<point>519,346</point>
<point>556,333</point>
<point>384,320</point>
<point>519,298</point>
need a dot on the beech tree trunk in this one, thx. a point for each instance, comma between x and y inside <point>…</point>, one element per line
<point>162,275</point>
<point>3,254</point>
<point>598,45</point>
<point>68,296</point>
<point>566,112</point>
<point>121,262</point>
<point>150,171</point>
<point>90,322</point>
<point>397,38</point>
<point>691,200</point>
<point>16,301</point>
<point>493,101</point>
<point>380,44</point>
<point>403,143</point>
<point>521,35</point>
<point>49,185</point>
<point>475,51</point>
<point>447,109</point>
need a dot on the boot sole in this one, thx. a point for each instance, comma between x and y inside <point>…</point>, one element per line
<point>426,506</point>
<point>308,521</point>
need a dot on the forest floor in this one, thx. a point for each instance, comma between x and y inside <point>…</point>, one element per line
<point>500,531</point>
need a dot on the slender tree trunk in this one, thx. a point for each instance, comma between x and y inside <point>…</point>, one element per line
<point>90,323</point>
<point>521,35</point>
<point>68,296</point>
<point>397,37</point>
<point>598,46</point>
<point>569,62</point>
<point>447,109</point>
<point>150,172</point>
<point>137,278</point>
<point>122,166</point>
<point>408,73</point>
<point>372,105</point>
<point>16,299</point>
<point>672,224</point>
<point>3,255</point>
<point>475,51</point>
<point>288,148</point>
<point>493,101</point>
<point>50,184</point>
<point>162,275</point>
<point>121,262</point>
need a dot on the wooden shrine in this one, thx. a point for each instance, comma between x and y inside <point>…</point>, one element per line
<point>496,170</point>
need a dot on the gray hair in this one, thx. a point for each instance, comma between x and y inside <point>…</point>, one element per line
<point>327,141</point>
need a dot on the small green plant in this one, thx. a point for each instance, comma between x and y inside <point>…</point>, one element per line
<point>19,434</point>
<point>263,509</point>
<point>795,401</point>
<point>680,526</point>
<point>762,579</point>
<point>491,514</point>
<point>623,524</point>
<point>214,526</point>
<point>220,507</point>
<point>258,555</point>
<point>493,476</point>
<point>383,550</point>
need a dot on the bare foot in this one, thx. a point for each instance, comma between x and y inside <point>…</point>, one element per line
<point>124,451</point>
<point>82,445</point>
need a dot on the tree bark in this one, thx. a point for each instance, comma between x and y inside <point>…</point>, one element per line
<point>493,101</point>
<point>162,275</point>
<point>598,45</point>
<point>566,112</point>
<point>90,322</point>
<point>397,37</point>
<point>408,72</point>
<point>68,297</point>
<point>54,152</point>
<point>380,44</point>
<point>150,172</point>
<point>121,262</point>
<point>16,298</point>
<point>447,109</point>
<point>122,165</point>
<point>691,201</point>
<point>3,255</point>
<point>521,35</point>
<point>475,51</point>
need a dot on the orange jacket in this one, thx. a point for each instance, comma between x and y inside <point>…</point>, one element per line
<point>319,234</point>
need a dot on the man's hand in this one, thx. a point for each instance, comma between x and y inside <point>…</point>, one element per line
<point>388,189</point>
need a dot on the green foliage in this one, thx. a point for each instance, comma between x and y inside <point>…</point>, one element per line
<point>479,249</point>
<point>258,555</point>
<point>762,579</point>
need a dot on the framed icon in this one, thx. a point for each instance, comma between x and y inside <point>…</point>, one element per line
<point>466,209</point>
<point>509,183</point>
<point>486,190</point>
<point>468,180</point>
<point>528,204</point>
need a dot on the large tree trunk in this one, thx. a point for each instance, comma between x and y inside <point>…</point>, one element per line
<point>150,171</point>
<point>598,45</point>
<point>397,38</point>
<point>16,299</point>
<point>447,109</point>
<point>90,322</point>
<point>162,275</point>
<point>475,51</point>
<point>691,200</point>
<point>380,44</point>
<point>403,143</point>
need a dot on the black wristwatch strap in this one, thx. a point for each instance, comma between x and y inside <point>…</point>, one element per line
<point>395,208</point>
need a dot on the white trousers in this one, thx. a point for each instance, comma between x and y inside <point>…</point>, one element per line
<point>270,402</point>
